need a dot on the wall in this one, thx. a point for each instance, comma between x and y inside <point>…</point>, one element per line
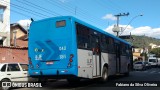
<point>12,54</point>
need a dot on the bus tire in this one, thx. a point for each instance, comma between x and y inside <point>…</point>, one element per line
<point>43,81</point>
<point>128,70</point>
<point>73,80</point>
<point>104,77</point>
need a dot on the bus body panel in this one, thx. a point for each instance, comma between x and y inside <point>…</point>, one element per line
<point>49,52</point>
<point>111,64</point>
<point>85,63</point>
<point>51,48</point>
<point>124,62</point>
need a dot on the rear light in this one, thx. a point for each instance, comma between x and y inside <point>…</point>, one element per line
<point>29,58</point>
<point>37,65</point>
<point>71,55</point>
<point>70,60</point>
<point>30,63</point>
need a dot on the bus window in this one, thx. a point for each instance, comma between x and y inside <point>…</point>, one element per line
<point>61,23</point>
<point>104,43</point>
<point>123,49</point>
<point>83,37</point>
<point>111,46</point>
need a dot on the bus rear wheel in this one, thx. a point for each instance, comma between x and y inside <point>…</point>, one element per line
<point>73,80</point>
<point>43,81</point>
<point>128,71</point>
<point>104,77</point>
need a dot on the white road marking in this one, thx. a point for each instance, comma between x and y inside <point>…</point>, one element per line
<point>145,71</point>
<point>153,72</point>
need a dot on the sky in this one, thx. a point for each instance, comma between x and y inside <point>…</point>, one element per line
<point>99,13</point>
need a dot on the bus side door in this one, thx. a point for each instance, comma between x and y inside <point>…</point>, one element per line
<point>95,44</point>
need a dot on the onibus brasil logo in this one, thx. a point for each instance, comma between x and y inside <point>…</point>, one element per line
<point>20,84</point>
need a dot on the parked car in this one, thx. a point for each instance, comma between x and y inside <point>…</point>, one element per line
<point>139,65</point>
<point>147,65</point>
<point>153,61</point>
<point>11,72</point>
<point>158,62</point>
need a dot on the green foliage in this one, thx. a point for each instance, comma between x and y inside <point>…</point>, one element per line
<point>156,51</point>
<point>143,41</point>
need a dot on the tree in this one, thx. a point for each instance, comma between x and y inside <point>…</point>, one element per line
<point>156,51</point>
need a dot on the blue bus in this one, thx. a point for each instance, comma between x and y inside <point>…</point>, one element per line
<point>66,47</point>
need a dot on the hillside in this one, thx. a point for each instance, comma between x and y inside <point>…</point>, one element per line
<point>141,41</point>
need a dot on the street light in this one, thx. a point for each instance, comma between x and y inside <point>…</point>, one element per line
<point>130,22</point>
<point>116,28</point>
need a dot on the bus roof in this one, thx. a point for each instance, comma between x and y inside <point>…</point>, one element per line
<point>86,24</point>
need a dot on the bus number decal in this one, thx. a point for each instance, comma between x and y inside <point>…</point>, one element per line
<point>62,48</point>
<point>62,56</point>
<point>38,57</point>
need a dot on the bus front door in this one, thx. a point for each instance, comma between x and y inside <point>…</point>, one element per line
<point>96,56</point>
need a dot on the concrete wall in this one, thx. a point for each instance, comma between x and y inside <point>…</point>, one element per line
<point>8,54</point>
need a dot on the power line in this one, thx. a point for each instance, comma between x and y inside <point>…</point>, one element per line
<point>105,6</point>
<point>28,10</point>
<point>22,14</point>
<point>69,7</point>
<point>117,6</point>
<point>38,7</point>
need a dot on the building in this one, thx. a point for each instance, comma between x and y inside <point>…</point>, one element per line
<point>18,36</point>
<point>137,53</point>
<point>152,46</point>
<point>5,22</point>
<point>18,51</point>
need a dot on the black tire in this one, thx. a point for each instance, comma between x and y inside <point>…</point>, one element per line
<point>128,70</point>
<point>5,88</point>
<point>43,81</point>
<point>104,77</point>
<point>73,80</point>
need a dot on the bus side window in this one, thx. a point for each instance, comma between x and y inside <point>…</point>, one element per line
<point>111,46</point>
<point>83,37</point>
<point>103,43</point>
<point>123,49</point>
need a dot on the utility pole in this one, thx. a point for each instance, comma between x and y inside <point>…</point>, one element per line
<point>116,27</point>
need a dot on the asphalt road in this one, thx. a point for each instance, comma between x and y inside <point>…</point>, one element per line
<point>138,80</point>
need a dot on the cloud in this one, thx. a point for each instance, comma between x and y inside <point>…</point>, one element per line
<point>109,17</point>
<point>143,30</point>
<point>24,23</point>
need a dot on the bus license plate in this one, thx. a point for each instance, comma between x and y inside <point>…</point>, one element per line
<point>51,62</point>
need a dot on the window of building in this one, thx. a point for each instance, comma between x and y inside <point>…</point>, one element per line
<point>1,14</point>
<point>1,42</point>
